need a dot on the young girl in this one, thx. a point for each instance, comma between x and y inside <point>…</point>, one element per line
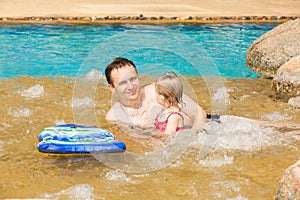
<point>169,94</point>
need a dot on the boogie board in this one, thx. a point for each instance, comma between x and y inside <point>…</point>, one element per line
<point>74,138</point>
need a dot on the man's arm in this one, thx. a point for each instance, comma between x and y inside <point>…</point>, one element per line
<point>194,112</point>
<point>110,116</point>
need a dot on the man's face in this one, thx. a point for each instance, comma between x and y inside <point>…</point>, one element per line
<point>126,83</point>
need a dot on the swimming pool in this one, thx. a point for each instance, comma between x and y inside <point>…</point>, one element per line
<point>47,50</point>
<point>246,162</point>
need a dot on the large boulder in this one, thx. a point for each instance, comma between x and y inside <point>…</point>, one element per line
<point>287,78</point>
<point>289,186</point>
<point>274,48</point>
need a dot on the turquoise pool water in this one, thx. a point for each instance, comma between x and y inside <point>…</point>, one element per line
<point>46,50</point>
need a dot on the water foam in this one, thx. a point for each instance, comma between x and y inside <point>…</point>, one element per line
<point>294,101</point>
<point>235,133</point>
<point>216,161</point>
<point>4,126</point>
<point>34,92</point>
<point>150,161</point>
<point>276,116</point>
<point>227,134</point>
<point>77,192</point>
<point>117,175</point>
<point>59,121</point>
<point>222,94</point>
<point>83,102</point>
<point>238,198</point>
<point>227,187</point>
<point>21,112</point>
<point>94,75</point>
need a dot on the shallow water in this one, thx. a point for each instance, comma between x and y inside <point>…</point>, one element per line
<point>231,158</point>
<point>246,161</point>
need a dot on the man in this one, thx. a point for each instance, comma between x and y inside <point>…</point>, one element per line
<point>137,105</point>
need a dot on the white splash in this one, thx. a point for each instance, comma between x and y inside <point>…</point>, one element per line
<point>59,121</point>
<point>294,101</point>
<point>83,102</point>
<point>235,133</point>
<point>177,163</point>
<point>77,192</point>
<point>222,94</point>
<point>244,97</point>
<point>94,75</point>
<point>238,198</point>
<point>216,161</point>
<point>34,92</point>
<point>4,126</point>
<point>21,112</point>
<point>150,161</point>
<point>275,116</point>
<point>114,175</point>
<point>229,187</point>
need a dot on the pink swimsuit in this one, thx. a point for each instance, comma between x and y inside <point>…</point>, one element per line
<point>161,126</point>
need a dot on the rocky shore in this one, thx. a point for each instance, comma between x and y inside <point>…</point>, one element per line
<point>276,55</point>
<point>289,186</point>
<point>141,19</point>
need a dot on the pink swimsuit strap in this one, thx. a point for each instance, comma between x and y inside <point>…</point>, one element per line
<point>172,114</point>
<point>162,125</point>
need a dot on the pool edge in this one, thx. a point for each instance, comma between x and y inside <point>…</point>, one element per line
<point>141,20</point>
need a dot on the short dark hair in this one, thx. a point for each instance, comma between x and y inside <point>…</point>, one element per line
<point>117,63</point>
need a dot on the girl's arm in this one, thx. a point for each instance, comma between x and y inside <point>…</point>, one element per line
<point>174,121</point>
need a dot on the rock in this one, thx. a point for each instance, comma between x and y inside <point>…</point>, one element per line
<point>287,78</point>
<point>289,186</point>
<point>274,48</point>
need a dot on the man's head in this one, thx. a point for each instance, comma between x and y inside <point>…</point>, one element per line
<point>122,79</point>
<point>116,64</point>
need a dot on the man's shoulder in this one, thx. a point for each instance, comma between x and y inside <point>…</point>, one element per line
<point>149,89</point>
<point>111,114</point>
<point>150,86</point>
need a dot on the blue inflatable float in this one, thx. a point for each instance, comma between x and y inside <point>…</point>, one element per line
<point>74,139</point>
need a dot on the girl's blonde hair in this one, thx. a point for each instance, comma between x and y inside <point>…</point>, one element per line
<point>170,87</point>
